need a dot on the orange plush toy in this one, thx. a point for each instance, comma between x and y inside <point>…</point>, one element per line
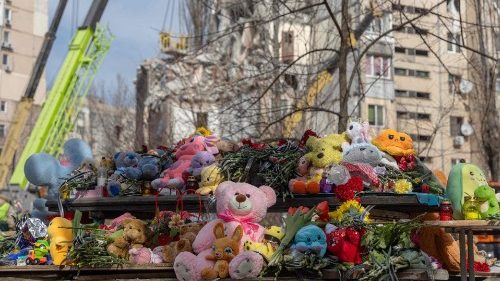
<point>394,143</point>
<point>224,250</point>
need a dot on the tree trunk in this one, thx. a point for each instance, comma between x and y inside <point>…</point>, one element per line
<point>344,50</point>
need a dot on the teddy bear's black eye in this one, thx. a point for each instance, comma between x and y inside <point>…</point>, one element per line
<point>248,195</point>
<point>308,239</point>
<point>237,193</point>
<point>402,138</point>
<point>192,140</point>
<point>319,237</point>
<point>391,137</point>
<point>350,127</point>
<point>208,179</point>
<point>471,173</point>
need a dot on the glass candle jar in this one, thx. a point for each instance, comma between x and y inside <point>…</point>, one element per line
<point>471,209</point>
<point>445,211</point>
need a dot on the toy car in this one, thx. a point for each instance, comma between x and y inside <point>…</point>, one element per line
<point>39,253</point>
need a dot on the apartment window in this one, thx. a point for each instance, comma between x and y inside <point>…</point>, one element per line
<point>411,30</point>
<point>287,42</point>
<point>6,37</point>
<point>412,94</point>
<point>422,74</point>
<point>455,125</point>
<point>376,115</point>
<point>3,106</point>
<point>201,119</point>
<point>400,50</point>
<point>6,63</point>
<point>454,42</point>
<point>420,138</point>
<point>2,130</point>
<point>378,66</point>
<point>8,16</point>
<point>423,53</point>
<point>400,71</point>
<point>453,82</point>
<point>411,72</point>
<point>413,115</point>
<point>409,9</point>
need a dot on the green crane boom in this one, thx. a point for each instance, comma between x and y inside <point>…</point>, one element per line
<point>57,117</point>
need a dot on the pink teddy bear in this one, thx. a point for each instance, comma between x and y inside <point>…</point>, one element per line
<point>172,177</point>
<point>237,204</point>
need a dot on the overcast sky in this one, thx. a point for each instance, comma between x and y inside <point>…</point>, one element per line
<point>135,25</point>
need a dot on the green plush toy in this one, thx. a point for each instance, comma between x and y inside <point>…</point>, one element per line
<point>463,179</point>
<point>490,206</point>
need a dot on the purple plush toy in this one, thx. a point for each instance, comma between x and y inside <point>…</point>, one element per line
<point>200,160</point>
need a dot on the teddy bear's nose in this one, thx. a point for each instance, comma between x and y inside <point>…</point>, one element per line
<point>240,198</point>
<point>362,148</point>
<point>320,155</point>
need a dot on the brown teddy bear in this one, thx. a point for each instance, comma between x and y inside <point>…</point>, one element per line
<point>134,236</point>
<point>187,235</point>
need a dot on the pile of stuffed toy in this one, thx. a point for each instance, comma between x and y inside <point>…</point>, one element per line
<point>245,180</point>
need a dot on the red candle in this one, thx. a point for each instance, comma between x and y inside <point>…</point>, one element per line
<point>445,211</point>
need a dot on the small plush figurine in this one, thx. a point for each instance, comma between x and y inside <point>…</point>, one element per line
<point>463,180</point>
<point>60,235</point>
<point>310,239</point>
<point>201,160</point>
<point>394,143</point>
<point>211,177</point>
<point>172,177</point>
<point>224,250</point>
<point>238,204</point>
<point>358,132</point>
<point>272,239</point>
<point>490,206</point>
<point>323,153</point>
<point>143,256</point>
<point>134,236</point>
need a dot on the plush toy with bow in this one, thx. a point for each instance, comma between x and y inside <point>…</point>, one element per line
<point>238,204</point>
<point>201,160</point>
<point>358,132</point>
<point>172,177</point>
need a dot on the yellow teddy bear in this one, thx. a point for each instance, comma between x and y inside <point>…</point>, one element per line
<point>323,152</point>
<point>211,177</point>
<point>272,239</point>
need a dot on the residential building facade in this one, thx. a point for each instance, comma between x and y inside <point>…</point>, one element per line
<point>23,24</point>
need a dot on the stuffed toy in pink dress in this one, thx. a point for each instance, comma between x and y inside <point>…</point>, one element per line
<point>172,177</point>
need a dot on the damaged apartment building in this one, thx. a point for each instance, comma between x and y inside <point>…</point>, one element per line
<point>225,80</point>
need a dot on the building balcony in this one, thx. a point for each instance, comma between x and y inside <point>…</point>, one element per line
<point>378,87</point>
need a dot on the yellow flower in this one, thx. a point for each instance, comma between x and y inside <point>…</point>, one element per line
<point>203,131</point>
<point>347,207</point>
<point>402,186</point>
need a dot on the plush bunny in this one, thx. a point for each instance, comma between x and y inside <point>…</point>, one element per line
<point>224,250</point>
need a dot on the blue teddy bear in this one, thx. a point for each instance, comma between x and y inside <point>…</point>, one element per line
<point>310,239</point>
<point>42,169</point>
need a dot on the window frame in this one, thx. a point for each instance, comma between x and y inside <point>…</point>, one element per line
<point>376,109</point>
<point>454,40</point>
<point>384,70</point>
<point>3,106</point>
<point>3,130</point>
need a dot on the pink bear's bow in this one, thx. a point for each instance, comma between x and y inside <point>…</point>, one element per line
<point>249,227</point>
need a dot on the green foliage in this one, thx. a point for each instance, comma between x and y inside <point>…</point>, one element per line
<point>273,165</point>
<point>391,249</point>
